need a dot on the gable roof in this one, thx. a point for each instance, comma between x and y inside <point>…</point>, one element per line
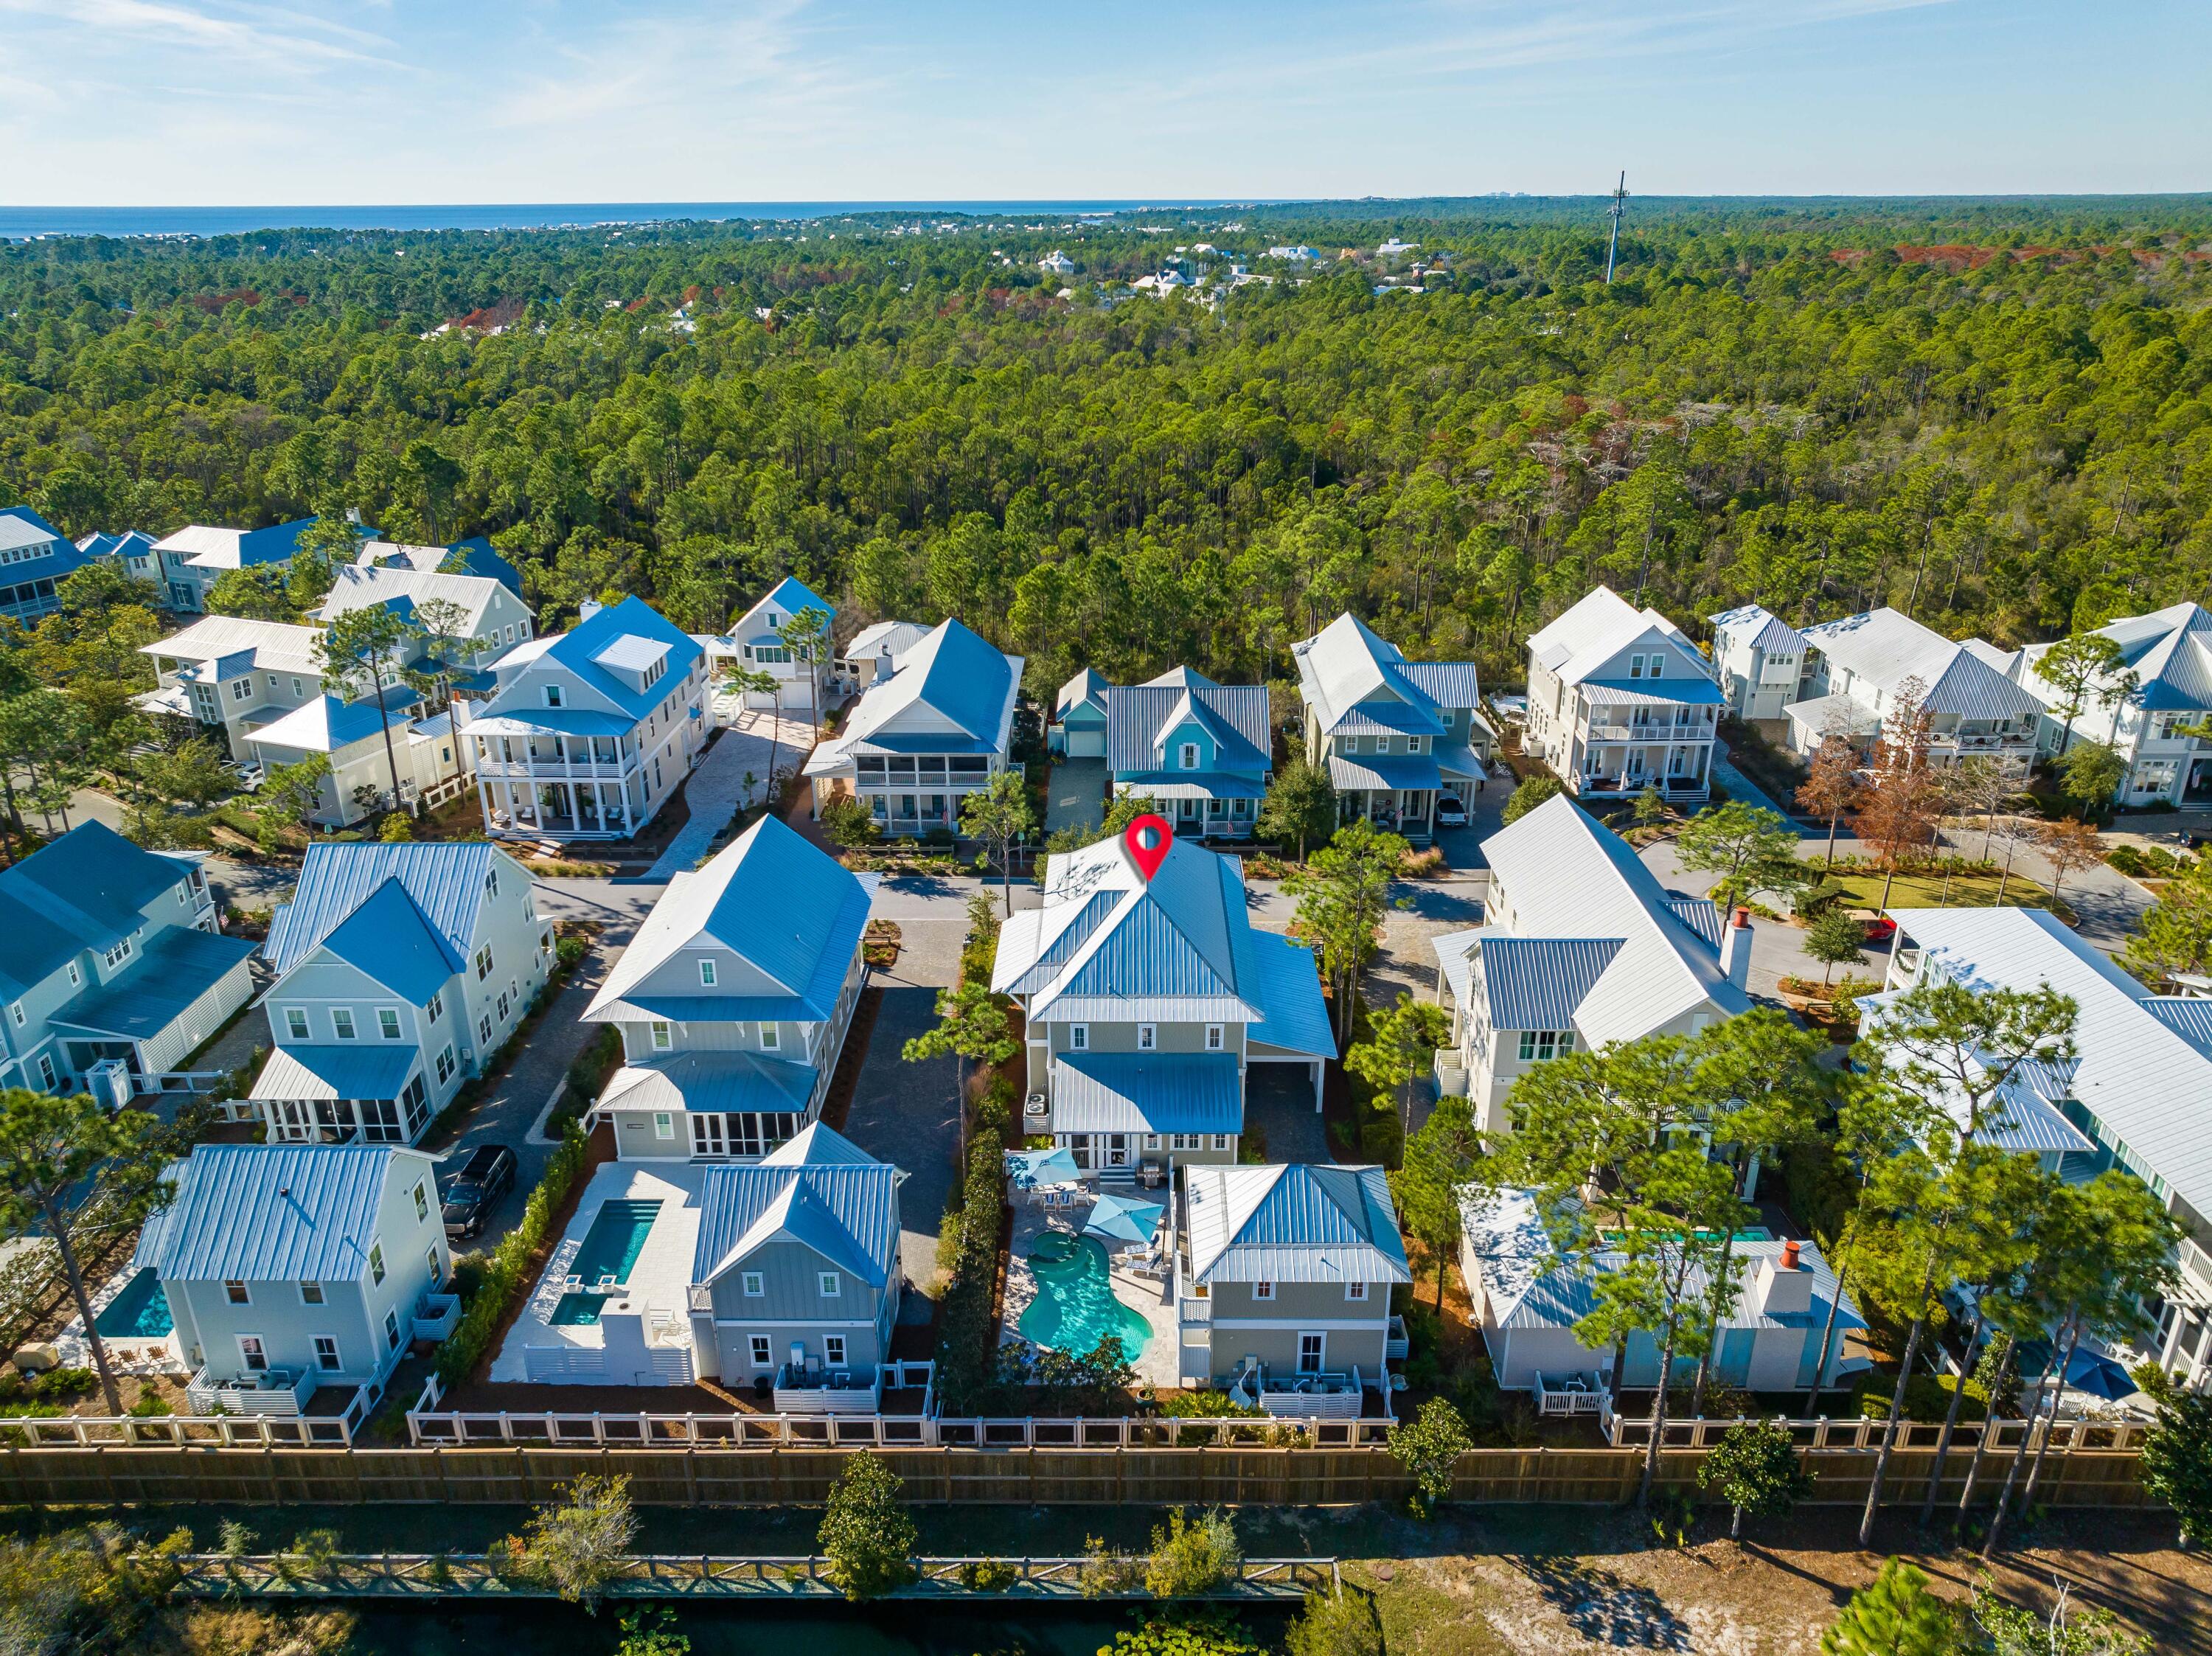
<point>2169,651</point>
<point>442,881</point>
<point>1087,688</point>
<point>271,646</point>
<point>585,649</point>
<point>1599,626</point>
<point>782,905</point>
<point>891,638</point>
<point>1757,628</point>
<point>1139,717</point>
<point>1885,648</point>
<point>276,1212</point>
<point>788,596</point>
<point>474,557</point>
<point>1354,680</point>
<point>81,891</point>
<point>207,547</point>
<point>401,586</point>
<point>844,1210</point>
<point>328,722</point>
<point>390,939</point>
<point>1536,983</point>
<point>19,526</point>
<point>1566,876</point>
<point>1293,1222</point>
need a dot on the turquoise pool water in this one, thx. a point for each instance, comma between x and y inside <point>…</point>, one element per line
<point>140,1312</point>
<point>610,1248</point>
<point>1075,1307</point>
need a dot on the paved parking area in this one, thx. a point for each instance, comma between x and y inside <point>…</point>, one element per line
<point>1075,798</point>
<point>908,1115</point>
<point>1279,1100</point>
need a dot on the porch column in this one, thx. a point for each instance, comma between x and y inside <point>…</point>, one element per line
<point>1320,1070</point>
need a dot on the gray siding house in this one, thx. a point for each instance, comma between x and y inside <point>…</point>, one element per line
<point>1147,1002</point>
<point>796,1276</point>
<point>733,1001</point>
<point>1283,1276</point>
<point>110,952</point>
<point>291,1268</point>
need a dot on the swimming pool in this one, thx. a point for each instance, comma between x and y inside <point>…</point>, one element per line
<point>610,1246</point>
<point>140,1312</point>
<point>1075,1307</point>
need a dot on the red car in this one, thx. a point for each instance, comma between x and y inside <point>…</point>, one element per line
<point>1880,929</point>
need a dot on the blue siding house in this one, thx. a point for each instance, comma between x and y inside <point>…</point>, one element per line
<point>35,557</point>
<point>1201,749</point>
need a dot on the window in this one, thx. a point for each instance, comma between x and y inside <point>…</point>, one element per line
<point>446,1064</point>
<point>1148,1037</point>
<point>828,1281</point>
<point>119,953</point>
<point>833,1350</point>
<point>1636,666</point>
<point>1187,756</point>
<point>761,1358</point>
<point>437,1266</point>
<point>253,1355</point>
<point>1541,1045</point>
<point>1079,1037</point>
<point>376,1263</point>
<point>341,1022</point>
<point>491,883</point>
<point>391,1329</point>
<point>771,1037</point>
<point>436,1009</point>
<point>46,1069</point>
<point>388,1022</point>
<point>1355,1292</point>
<point>664,1036</point>
<point>552,695</point>
<point>663,1124</point>
<point>295,1022</point>
<point>484,1029</point>
<point>1221,1141</point>
<point>241,689</point>
<point>75,977</point>
<point>16,1012</point>
<point>327,1353</point>
<point>706,975</point>
<point>1658,663</point>
<point>234,1291</point>
<point>1313,1351</point>
<point>1213,1037</point>
<point>502,1006</point>
<point>483,962</point>
<point>1263,1290</point>
<point>755,1284</point>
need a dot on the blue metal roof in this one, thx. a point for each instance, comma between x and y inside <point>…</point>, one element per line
<point>1147,1092</point>
<point>1536,983</point>
<point>30,518</point>
<point>476,556</point>
<point>81,891</point>
<point>791,594</point>
<point>1293,1222</point>
<point>173,970</point>
<point>281,1213</point>
<point>579,648</point>
<point>712,1082</point>
<point>1290,989</point>
<point>358,1069</point>
<point>444,881</point>
<point>1234,715</point>
<point>2188,1016</point>
<point>847,1212</point>
<point>389,939</point>
<point>328,724</point>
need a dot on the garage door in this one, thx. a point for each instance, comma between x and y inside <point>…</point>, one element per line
<point>1086,744</point>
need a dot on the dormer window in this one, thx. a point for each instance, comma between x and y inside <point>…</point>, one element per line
<point>552,695</point>
<point>1189,756</point>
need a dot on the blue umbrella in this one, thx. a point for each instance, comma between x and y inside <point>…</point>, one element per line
<point>2088,1371</point>
<point>1029,1169</point>
<point>1125,1219</point>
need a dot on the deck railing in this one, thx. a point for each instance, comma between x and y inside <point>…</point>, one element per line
<point>178,1431</point>
<point>1822,1432</point>
<point>432,1426</point>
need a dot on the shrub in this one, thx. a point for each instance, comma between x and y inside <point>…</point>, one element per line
<point>1335,1624</point>
<point>578,1545</point>
<point>1429,1448</point>
<point>1210,1631</point>
<point>867,1534</point>
<point>1927,1399</point>
<point>1383,1138</point>
<point>965,1334</point>
<point>1529,795</point>
<point>1191,1557</point>
<point>1109,1572</point>
<point>988,1575</point>
<point>1894,1615</point>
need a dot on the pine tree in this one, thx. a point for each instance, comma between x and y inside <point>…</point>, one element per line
<point>1895,1615</point>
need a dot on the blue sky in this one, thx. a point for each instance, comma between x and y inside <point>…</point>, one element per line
<point>323,102</point>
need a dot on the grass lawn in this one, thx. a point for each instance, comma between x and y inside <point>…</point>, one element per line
<point>1933,891</point>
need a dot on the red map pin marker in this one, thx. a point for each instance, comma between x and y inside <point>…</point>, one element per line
<point>1149,840</point>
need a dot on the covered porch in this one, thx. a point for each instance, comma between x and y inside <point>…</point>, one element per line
<point>1110,1110</point>
<point>1204,805</point>
<point>1396,793</point>
<point>373,1094</point>
<point>180,990</point>
<point>566,772</point>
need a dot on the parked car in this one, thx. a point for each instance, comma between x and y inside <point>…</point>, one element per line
<point>482,1181</point>
<point>1450,812</point>
<point>1880,929</point>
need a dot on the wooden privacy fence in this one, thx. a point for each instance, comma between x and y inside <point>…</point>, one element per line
<point>526,1475</point>
<point>703,1575</point>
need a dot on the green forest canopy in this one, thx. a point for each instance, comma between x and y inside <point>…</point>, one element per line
<point>1994,412</point>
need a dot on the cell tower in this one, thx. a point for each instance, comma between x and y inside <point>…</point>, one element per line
<point>1619,206</point>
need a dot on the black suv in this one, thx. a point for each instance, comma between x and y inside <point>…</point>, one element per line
<point>483,1179</point>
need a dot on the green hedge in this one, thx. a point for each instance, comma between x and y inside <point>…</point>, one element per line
<point>967,1341</point>
<point>506,1271</point>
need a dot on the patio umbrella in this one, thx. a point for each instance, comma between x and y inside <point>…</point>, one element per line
<point>2089,1371</point>
<point>1124,1219</point>
<point>1031,1169</point>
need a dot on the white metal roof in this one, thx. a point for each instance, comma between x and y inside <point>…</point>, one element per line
<point>276,646</point>
<point>1599,626</point>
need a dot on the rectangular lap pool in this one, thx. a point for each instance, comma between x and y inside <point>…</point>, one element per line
<point>140,1312</point>
<point>609,1248</point>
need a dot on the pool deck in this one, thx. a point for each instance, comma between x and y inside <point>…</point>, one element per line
<point>128,1354</point>
<point>660,1278</point>
<point>1152,1298</point>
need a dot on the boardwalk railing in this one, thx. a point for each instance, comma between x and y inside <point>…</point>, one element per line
<point>703,1575</point>
<point>2064,1435</point>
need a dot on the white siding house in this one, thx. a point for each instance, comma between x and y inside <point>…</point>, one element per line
<point>2170,653</point>
<point>1856,668</point>
<point>755,643</point>
<point>1620,701</point>
<point>197,555</point>
<point>234,675</point>
<point>1760,658</point>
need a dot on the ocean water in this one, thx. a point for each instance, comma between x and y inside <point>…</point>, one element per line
<point>18,222</point>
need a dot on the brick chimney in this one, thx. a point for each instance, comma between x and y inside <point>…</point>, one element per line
<point>1735,948</point>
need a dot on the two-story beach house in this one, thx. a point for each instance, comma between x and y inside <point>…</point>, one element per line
<point>35,558</point>
<point>755,643</point>
<point>1077,730</point>
<point>429,751</point>
<point>110,952</point>
<point>795,1277</point>
<point>733,1001</point>
<point>1202,751</point>
<point>490,619</point>
<point>2170,653</point>
<point>591,730</point>
<point>916,743</point>
<point>1526,1298</point>
<point>233,674</point>
<point>1856,668</point>
<point>195,558</point>
<point>1283,1276</point>
<point>1579,946</point>
<point>1147,1003</point>
<point>294,1269</point>
<point>400,969</point>
<point>1621,700</point>
<point>130,549</point>
<point>1759,659</point>
<point>2133,1097</point>
<point>1394,734</point>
